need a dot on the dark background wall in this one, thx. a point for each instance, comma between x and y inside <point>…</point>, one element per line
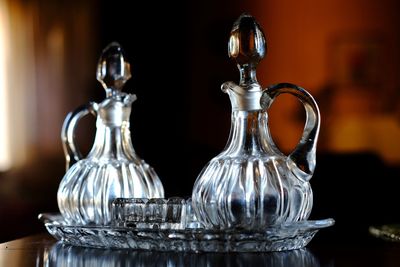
<point>178,52</point>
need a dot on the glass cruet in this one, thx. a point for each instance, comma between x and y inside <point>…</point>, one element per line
<point>112,169</point>
<point>251,184</point>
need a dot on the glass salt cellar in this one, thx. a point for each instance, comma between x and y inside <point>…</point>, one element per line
<point>112,169</point>
<point>251,184</point>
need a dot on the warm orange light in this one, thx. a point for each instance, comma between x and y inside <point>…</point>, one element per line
<point>5,159</point>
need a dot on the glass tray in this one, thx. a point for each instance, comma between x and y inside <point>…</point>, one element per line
<point>279,238</point>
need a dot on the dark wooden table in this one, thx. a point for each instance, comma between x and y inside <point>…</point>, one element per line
<point>43,250</point>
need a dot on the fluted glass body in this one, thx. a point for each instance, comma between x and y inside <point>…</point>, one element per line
<point>251,184</point>
<point>111,170</point>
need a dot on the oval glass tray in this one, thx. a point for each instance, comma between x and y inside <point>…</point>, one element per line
<point>276,238</point>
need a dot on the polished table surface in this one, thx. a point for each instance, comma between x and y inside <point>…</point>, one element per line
<point>43,250</point>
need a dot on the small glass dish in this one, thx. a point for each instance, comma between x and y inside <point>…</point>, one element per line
<point>154,213</point>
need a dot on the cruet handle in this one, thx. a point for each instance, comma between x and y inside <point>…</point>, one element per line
<point>303,156</point>
<point>71,152</point>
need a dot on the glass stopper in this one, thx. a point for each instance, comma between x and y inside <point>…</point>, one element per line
<point>113,71</point>
<point>247,47</point>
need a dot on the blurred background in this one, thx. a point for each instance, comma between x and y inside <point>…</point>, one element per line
<point>346,53</point>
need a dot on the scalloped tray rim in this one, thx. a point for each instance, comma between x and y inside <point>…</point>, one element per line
<point>283,237</point>
<point>50,218</point>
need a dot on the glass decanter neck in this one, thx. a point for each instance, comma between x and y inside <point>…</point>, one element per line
<point>112,142</point>
<point>113,138</point>
<point>249,134</point>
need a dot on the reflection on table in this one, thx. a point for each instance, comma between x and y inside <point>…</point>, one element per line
<point>323,251</point>
<point>66,255</point>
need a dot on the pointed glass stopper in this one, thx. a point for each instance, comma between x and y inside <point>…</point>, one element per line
<point>247,47</point>
<point>113,71</point>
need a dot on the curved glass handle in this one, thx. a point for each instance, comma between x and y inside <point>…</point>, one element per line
<point>71,152</point>
<point>303,156</point>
